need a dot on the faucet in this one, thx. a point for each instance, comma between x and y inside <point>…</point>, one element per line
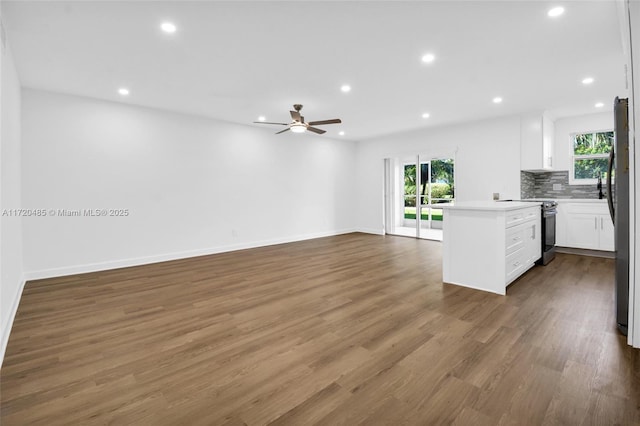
<point>599,186</point>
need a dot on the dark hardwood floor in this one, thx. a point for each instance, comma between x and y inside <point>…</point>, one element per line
<point>347,330</point>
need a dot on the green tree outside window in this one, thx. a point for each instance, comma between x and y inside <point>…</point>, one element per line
<point>591,155</point>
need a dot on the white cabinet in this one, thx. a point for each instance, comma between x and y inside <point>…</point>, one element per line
<point>488,248</point>
<point>523,247</point>
<point>521,256</point>
<point>533,233</point>
<point>582,230</point>
<point>607,235</point>
<point>536,142</point>
<point>585,225</point>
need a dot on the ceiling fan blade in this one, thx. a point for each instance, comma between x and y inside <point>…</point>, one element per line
<point>266,122</point>
<point>295,115</point>
<point>314,130</point>
<point>282,131</point>
<point>333,121</point>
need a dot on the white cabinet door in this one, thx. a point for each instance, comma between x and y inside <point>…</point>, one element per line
<point>561,226</point>
<point>531,142</point>
<point>547,142</point>
<point>532,242</point>
<point>606,233</point>
<point>536,243</point>
<point>536,142</point>
<point>583,230</point>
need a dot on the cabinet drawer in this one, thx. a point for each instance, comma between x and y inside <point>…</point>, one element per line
<point>594,208</point>
<point>514,218</point>
<point>531,214</point>
<point>514,239</point>
<point>523,215</point>
<point>515,264</point>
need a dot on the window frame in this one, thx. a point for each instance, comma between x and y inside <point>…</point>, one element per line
<point>573,158</point>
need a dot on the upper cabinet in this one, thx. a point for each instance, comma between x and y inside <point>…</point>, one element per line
<point>536,142</point>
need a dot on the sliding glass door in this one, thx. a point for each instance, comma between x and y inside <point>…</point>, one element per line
<point>424,184</point>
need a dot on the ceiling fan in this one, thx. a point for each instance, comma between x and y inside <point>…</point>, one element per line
<point>299,126</point>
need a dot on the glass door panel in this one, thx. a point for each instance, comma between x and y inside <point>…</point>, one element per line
<point>422,184</point>
<point>425,196</point>
<point>409,197</point>
<point>438,188</point>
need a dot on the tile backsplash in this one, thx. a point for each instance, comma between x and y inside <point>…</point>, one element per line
<point>527,185</point>
<point>554,185</point>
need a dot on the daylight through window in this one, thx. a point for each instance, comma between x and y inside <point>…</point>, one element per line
<point>590,156</point>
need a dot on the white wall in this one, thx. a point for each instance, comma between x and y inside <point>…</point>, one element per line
<point>191,185</point>
<point>565,127</point>
<point>11,271</point>
<point>487,155</point>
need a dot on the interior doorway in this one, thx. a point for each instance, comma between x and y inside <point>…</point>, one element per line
<point>415,189</point>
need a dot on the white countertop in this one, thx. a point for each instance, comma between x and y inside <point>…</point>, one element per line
<point>489,205</point>
<point>570,200</point>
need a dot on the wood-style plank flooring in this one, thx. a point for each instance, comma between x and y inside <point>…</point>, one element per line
<point>347,330</point>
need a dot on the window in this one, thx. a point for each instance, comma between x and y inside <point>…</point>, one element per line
<point>590,157</point>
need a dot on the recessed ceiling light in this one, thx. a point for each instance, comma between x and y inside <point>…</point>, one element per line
<point>168,27</point>
<point>497,100</point>
<point>428,58</point>
<point>587,80</point>
<point>345,88</point>
<point>599,105</point>
<point>261,118</point>
<point>341,132</point>
<point>123,91</point>
<point>556,11</point>
<point>425,115</point>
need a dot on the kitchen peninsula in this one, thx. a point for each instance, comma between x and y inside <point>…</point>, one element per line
<point>487,245</point>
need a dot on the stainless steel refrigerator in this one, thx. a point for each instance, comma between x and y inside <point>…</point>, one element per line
<point>618,201</point>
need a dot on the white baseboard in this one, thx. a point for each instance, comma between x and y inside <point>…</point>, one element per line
<point>124,263</point>
<point>371,231</point>
<point>12,316</point>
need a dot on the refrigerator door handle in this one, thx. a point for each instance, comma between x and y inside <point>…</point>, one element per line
<point>612,209</point>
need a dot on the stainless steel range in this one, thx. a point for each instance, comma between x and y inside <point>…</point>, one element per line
<point>548,231</point>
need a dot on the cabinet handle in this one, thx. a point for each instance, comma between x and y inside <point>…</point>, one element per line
<point>601,223</point>
<point>595,223</point>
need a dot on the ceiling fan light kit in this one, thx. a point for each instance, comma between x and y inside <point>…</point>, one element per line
<point>299,126</point>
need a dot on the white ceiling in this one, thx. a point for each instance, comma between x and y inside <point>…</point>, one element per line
<point>237,60</point>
